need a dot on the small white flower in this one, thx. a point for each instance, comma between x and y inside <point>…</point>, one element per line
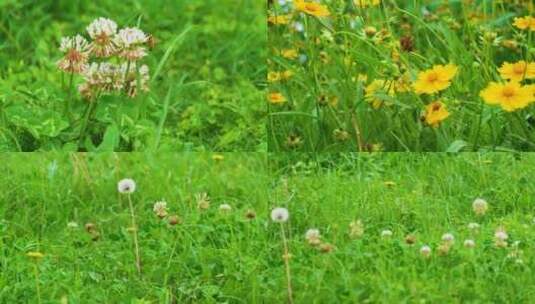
<point>160,208</point>
<point>313,236</point>
<point>72,225</point>
<point>386,233</point>
<point>126,185</point>
<point>469,243</point>
<point>130,36</point>
<point>280,215</point>
<point>448,238</point>
<point>480,206</point>
<point>77,43</point>
<point>473,226</point>
<point>102,26</point>
<point>425,251</point>
<point>501,235</point>
<point>225,208</point>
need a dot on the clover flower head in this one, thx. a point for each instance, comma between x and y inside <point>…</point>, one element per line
<point>225,208</point>
<point>469,244</point>
<point>480,206</point>
<point>126,185</point>
<point>425,251</point>
<point>386,233</point>
<point>76,54</point>
<point>313,236</point>
<point>160,208</point>
<point>448,238</point>
<point>102,26</point>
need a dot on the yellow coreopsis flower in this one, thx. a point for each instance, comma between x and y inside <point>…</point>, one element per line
<point>518,71</point>
<point>366,3</point>
<point>312,8</point>
<point>511,96</point>
<point>289,53</point>
<point>378,86</point>
<point>524,23</point>
<point>276,98</point>
<point>280,19</point>
<point>435,113</point>
<point>435,80</point>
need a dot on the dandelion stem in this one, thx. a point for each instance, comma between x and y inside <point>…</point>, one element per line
<point>134,227</point>
<point>286,258</point>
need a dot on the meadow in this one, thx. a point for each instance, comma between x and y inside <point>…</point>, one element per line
<point>199,90</point>
<point>368,228</point>
<point>393,75</point>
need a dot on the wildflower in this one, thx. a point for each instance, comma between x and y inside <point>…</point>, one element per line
<point>280,19</point>
<point>250,214</point>
<point>218,157</point>
<point>126,185</point>
<point>444,248</point>
<point>280,215</point>
<point>410,239</point>
<point>289,53</point>
<point>366,3</point>
<point>436,79</point>
<point>76,54</point>
<point>35,255</point>
<point>276,98</point>
<point>469,244</point>
<point>517,71</point>
<point>160,208</point>
<point>435,113</point>
<point>225,208</point>
<point>511,96</point>
<point>203,201</point>
<point>480,206</point>
<point>174,220</point>
<point>313,237</point>
<point>376,92</point>
<point>448,238</point>
<point>90,227</point>
<point>386,233</point>
<point>425,251</point>
<point>293,141</point>
<point>340,134</point>
<point>102,31</point>
<point>524,23</point>
<point>326,248</point>
<point>389,184</point>
<point>130,43</point>
<point>311,8</point>
<point>473,226</point>
<point>500,238</point>
<point>102,77</point>
<point>131,80</point>
<point>356,229</point>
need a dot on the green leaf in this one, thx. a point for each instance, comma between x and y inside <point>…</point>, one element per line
<point>457,146</point>
<point>110,140</point>
<point>39,122</point>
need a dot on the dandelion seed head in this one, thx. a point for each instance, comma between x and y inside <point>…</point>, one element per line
<point>126,185</point>
<point>280,215</point>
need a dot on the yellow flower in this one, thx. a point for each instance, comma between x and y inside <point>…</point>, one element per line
<point>289,53</point>
<point>510,96</point>
<point>435,80</point>
<point>273,76</point>
<point>218,157</point>
<point>287,74</point>
<point>35,255</point>
<point>280,19</point>
<point>276,98</point>
<point>378,86</point>
<point>311,8</point>
<point>366,3</point>
<point>518,71</point>
<point>525,23</point>
<point>435,113</point>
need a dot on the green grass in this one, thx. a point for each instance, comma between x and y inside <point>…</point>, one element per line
<point>203,95</point>
<point>469,34</point>
<point>216,258</point>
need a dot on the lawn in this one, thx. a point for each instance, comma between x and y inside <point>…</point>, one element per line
<point>398,75</point>
<point>203,89</point>
<point>67,233</point>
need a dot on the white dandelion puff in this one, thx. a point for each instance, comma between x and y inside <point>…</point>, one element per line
<point>126,185</point>
<point>280,215</point>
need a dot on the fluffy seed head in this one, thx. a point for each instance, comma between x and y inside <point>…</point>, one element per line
<point>280,215</point>
<point>126,185</point>
<point>425,251</point>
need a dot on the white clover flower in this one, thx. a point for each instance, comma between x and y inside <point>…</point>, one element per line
<point>75,59</point>
<point>469,244</point>
<point>480,206</point>
<point>501,235</point>
<point>160,208</point>
<point>448,238</point>
<point>386,233</point>
<point>131,81</point>
<point>130,43</point>
<point>203,200</point>
<point>313,236</point>
<point>473,226</point>
<point>225,208</point>
<point>425,251</point>
<point>100,27</point>
<point>126,185</point>
<point>280,215</point>
<point>72,225</point>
